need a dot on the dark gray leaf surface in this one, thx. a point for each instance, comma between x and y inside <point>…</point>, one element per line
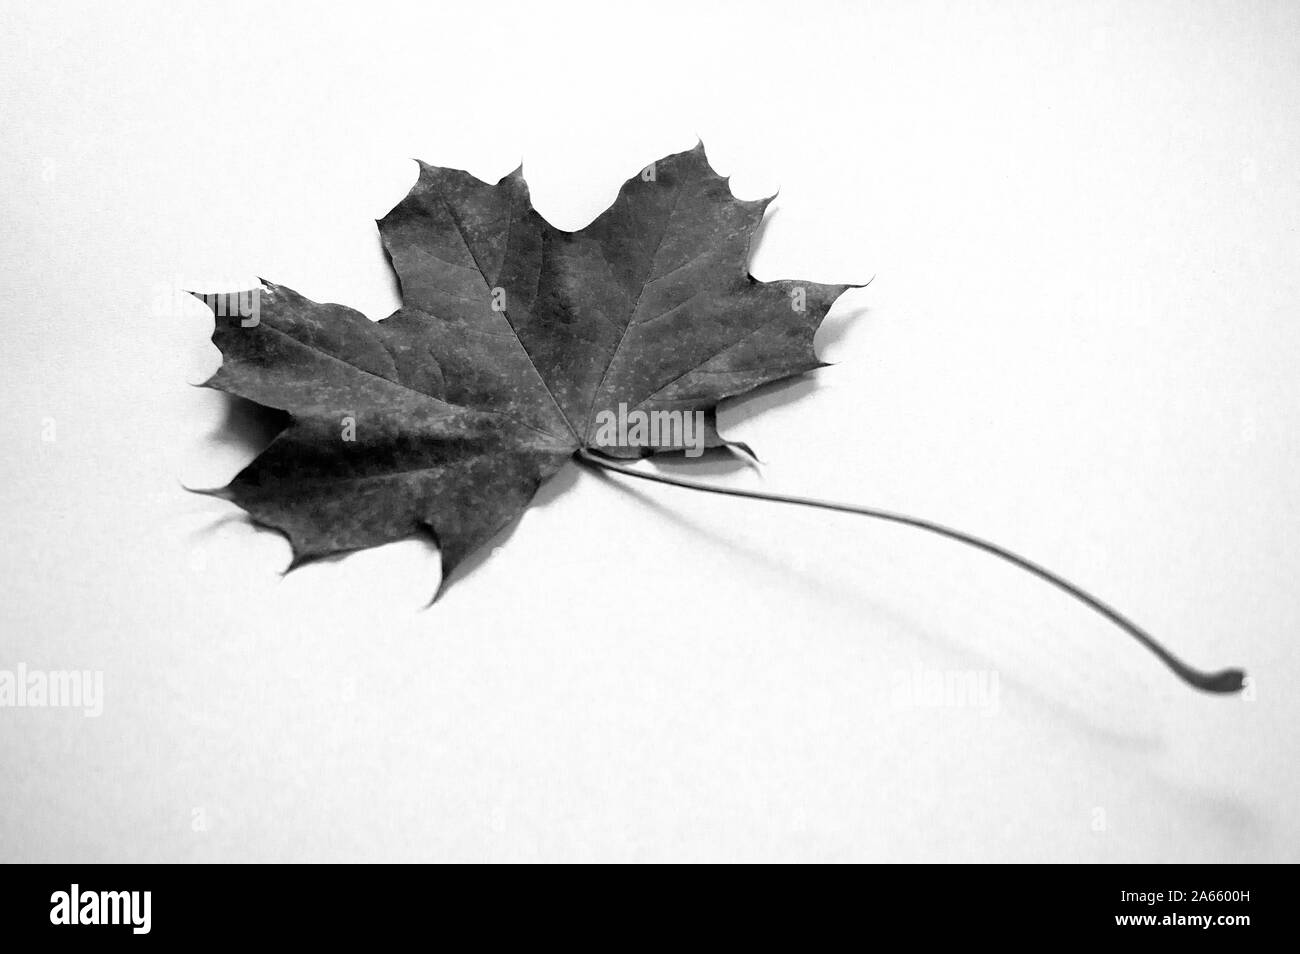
<point>512,338</point>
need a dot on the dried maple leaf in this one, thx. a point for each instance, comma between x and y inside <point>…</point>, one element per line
<point>513,341</point>
<point>515,347</point>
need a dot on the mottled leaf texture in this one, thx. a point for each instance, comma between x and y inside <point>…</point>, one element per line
<point>512,338</point>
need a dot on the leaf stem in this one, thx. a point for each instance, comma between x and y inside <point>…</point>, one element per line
<point>1224,681</point>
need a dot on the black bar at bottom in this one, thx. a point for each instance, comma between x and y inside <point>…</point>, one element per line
<point>138,904</point>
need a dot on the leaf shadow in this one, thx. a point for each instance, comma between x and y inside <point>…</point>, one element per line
<point>1128,740</point>
<point>1241,823</point>
<point>835,326</point>
<point>246,426</point>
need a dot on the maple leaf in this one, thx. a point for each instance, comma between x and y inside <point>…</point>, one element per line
<point>515,340</point>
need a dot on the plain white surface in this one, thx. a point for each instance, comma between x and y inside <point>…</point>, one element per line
<point>1081,342</point>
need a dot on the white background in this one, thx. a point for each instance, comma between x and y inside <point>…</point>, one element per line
<point>1081,342</point>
